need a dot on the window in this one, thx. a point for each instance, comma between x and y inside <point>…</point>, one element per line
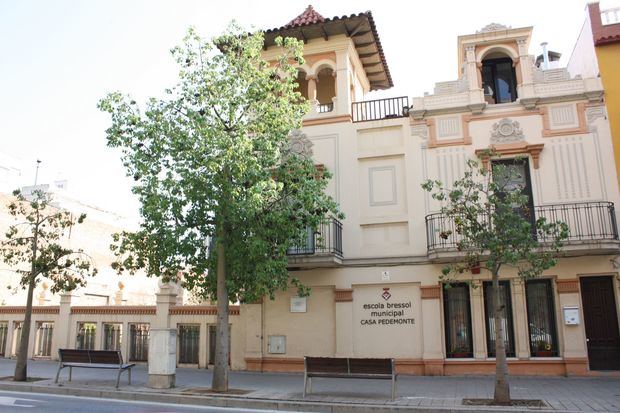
<point>17,336</point>
<point>43,344</point>
<point>138,342</point>
<point>506,318</point>
<point>498,80</point>
<point>189,339</point>
<point>541,318</point>
<point>457,320</point>
<point>4,329</point>
<point>86,336</point>
<point>112,336</point>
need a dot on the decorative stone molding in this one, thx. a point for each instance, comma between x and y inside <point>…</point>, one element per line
<point>567,286</point>
<point>506,131</point>
<point>493,27</point>
<point>111,309</point>
<point>201,310</point>
<point>512,149</point>
<point>328,120</point>
<point>35,310</point>
<point>433,142</point>
<point>547,132</point>
<point>595,112</point>
<point>420,130</point>
<point>300,144</point>
<point>343,295</point>
<point>430,292</point>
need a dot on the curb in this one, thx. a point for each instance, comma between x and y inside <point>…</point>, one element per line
<point>256,403</point>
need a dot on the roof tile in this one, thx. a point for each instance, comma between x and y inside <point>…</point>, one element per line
<point>308,17</point>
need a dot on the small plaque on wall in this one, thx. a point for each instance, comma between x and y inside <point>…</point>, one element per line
<point>298,304</point>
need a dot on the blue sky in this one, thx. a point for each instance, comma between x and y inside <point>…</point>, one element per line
<point>58,58</point>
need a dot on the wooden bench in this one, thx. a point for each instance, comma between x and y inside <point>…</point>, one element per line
<point>93,359</point>
<point>348,368</point>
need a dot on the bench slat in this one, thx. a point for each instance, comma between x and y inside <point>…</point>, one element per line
<point>90,356</point>
<point>326,365</point>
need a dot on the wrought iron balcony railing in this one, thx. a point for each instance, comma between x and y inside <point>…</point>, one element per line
<point>327,239</point>
<point>587,222</point>
<point>380,109</point>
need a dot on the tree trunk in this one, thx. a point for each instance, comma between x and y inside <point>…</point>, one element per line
<point>21,367</point>
<point>220,369</point>
<point>502,388</point>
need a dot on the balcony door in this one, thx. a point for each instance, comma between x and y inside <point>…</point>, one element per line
<point>601,322</point>
<point>517,177</point>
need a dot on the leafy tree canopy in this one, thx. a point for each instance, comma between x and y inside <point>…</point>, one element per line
<point>212,163</point>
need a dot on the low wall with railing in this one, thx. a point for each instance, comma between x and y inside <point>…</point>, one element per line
<point>124,328</point>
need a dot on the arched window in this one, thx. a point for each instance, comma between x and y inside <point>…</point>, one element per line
<point>326,86</point>
<point>499,81</point>
<point>302,84</point>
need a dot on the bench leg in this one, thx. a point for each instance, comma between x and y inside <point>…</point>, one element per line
<point>129,373</point>
<point>58,372</point>
<point>70,372</point>
<point>309,384</point>
<point>393,388</point>
<point>118,377</point>
<point>305,384</point>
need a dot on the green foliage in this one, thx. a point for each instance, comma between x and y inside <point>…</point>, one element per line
<point>494,225</point>
<point>33,247</point>
<point>213,157</point>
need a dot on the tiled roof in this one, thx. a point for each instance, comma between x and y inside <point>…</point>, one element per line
<point>359,27</point>
<point>308,17</point>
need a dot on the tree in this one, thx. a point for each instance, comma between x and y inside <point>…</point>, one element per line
<point>34,249</point>
<point>494,227</point>
<point>223,192</point>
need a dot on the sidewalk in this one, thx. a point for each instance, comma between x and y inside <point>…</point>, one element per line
<point>283,391</point>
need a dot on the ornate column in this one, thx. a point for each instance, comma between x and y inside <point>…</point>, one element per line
<point>474,80</point>
<point>477,319</point>
<point>522,345</point>
<point>163,341</point>
<point>344,322</point>
<point>432,355</point>
<point>525,76</point>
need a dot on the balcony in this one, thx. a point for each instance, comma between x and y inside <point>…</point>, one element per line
<point>592,230</point>
<point>380,109</point>
<point>321,248</point>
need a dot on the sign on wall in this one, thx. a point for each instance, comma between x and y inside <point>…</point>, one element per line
<point>386,311</point>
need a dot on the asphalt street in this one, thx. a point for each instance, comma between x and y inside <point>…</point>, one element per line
<point>36,402</point>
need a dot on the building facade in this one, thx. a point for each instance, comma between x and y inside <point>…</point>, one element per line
<point>597,54</point>
<point>374,276</point>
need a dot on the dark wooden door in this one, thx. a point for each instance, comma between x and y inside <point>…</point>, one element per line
<point>601,322</point>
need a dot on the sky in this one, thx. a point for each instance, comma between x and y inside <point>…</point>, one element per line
<point>58,58</point>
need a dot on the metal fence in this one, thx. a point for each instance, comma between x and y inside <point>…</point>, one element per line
<point>327,239</point>
<point>586,221</point>
<point>45,332</point>
<point>139,342</point>
<point>112,336</point>
<point>86,336</point>
<point>189,341</point>
<point>380,109</point>
<point>4,329</point>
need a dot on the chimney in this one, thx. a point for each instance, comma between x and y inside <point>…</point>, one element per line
<point>545,56</point>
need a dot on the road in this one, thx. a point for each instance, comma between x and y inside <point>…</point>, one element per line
<point>37,402</point>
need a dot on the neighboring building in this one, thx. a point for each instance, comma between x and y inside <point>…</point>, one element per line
<point>94,236</point>
<point>374,277</point>
<point>597,54</point>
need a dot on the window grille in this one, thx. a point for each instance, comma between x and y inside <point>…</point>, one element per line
<point>457,320</point>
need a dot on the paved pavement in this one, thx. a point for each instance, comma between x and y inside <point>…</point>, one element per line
<point>560,393</point>
<point>49,403</point>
